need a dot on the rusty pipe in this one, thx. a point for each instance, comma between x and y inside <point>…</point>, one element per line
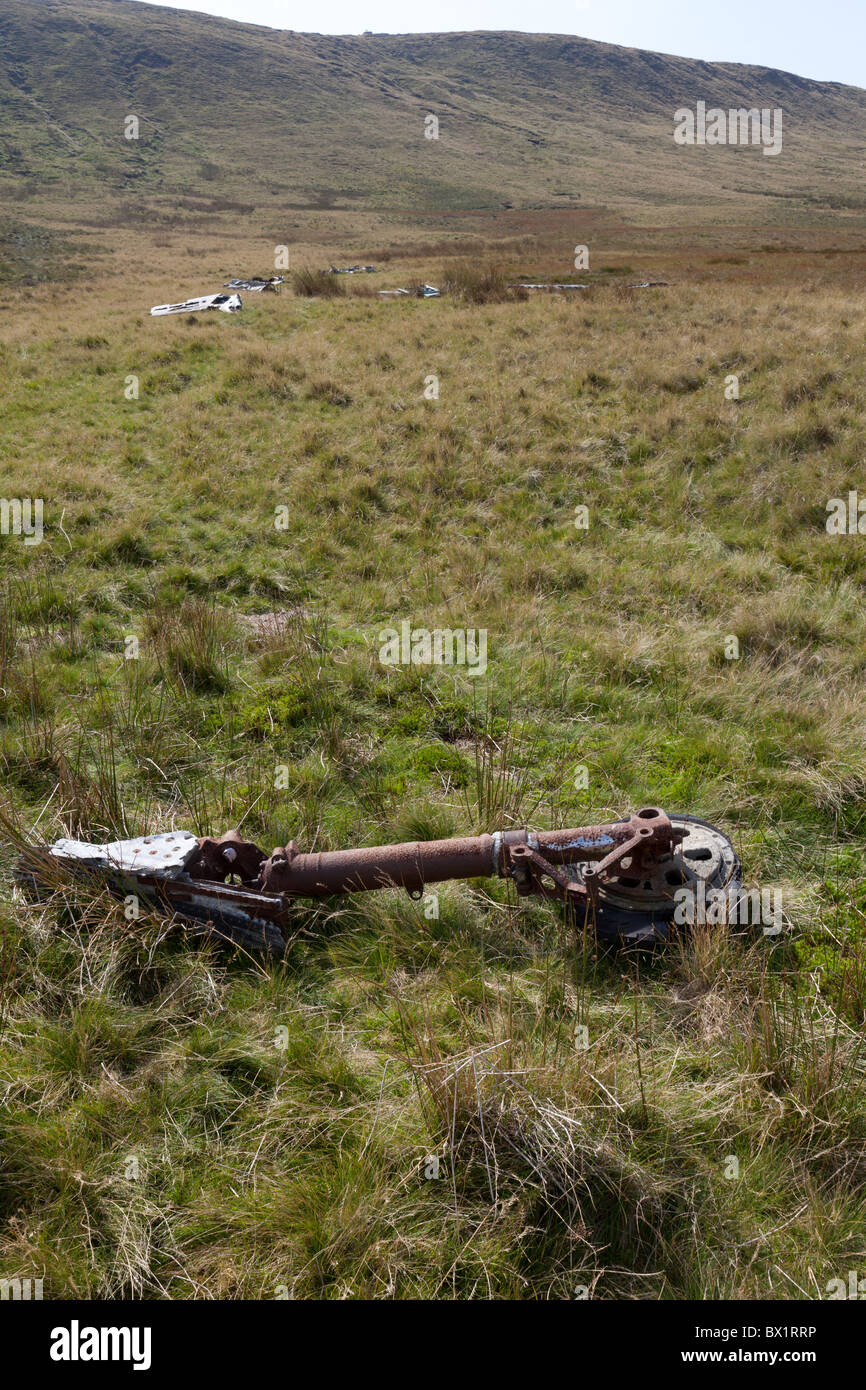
<point>413,864</point>
<point>409,866</point>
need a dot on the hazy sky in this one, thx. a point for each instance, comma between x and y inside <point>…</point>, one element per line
<point>825,40</point>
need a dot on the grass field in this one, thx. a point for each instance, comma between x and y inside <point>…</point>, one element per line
<point>181,1121</point>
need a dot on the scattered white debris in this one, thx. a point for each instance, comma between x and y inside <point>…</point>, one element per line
<point>257,284</point>
<point>352,270</point>
<point>417,292</point>
<point>547,286</point>
<point>228,303</point>
<point>550,285</point>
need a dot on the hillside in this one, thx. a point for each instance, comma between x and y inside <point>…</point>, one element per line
<point>288,119</point>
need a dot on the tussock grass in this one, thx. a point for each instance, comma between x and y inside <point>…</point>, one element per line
<point>479,285</point>
<point>318,284</point>
<point>190,640</point>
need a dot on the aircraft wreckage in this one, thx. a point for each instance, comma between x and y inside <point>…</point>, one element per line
<point>228,303</point>
<point>258,284</point>
<point>232,303</point>
<point>416,292</point>
<point>621,880</point>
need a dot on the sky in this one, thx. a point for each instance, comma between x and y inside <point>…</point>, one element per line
<point>825,40</point>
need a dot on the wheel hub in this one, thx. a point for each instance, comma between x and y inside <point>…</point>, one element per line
<point>642,908</point>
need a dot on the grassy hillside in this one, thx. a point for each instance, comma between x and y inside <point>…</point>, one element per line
<point>279,119</point>
<point>182,1122</point>
<point>179,1120</point>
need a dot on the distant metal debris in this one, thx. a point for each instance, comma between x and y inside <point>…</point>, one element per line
<point>551,285</point>
<point>416,292</point>
<point>228,303</point>
<point>257,284</point>
<point>546,286</point>
<point>351,270</point>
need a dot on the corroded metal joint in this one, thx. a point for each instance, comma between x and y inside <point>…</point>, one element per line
<point>228,857</point>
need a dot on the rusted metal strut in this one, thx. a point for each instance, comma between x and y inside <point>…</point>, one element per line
<point>532,860</point>
<point>620,878</point>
